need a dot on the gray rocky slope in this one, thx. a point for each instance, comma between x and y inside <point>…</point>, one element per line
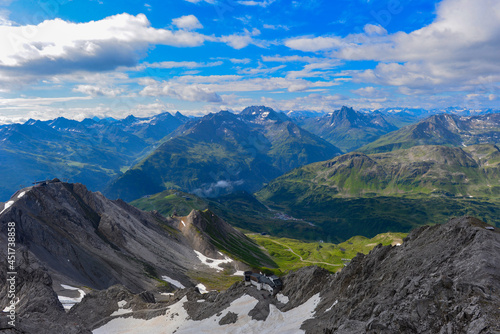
<point>442,279</point>
<point>69,236</point>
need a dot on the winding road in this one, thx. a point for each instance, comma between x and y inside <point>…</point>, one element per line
<point>300,257</point>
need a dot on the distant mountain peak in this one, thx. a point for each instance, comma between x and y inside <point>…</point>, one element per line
<point>263,113</point>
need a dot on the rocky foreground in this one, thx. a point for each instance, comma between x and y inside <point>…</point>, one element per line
<point>442,279</point>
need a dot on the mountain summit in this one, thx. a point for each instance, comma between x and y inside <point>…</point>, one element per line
<point>222,153</point>
<point>347,128</point>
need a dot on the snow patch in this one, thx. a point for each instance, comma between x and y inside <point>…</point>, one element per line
<point>335,303</point>
<point>212,263</point>
<point>21,194</point>
<point>69,302</point>
<point>177,320</point>
<point>121,310</point>
<point>239,273</point>
<point>202,288</point>
<point>173,281</point>
<point>7,205</point>
<point>282,298</point>
<point>182,221</point>
<point>265,114</point>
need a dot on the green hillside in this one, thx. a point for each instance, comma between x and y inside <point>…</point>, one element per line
<point>291,254</point>
<point>396,191</point>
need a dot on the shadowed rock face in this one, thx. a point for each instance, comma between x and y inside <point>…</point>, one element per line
<point>84,239</point>
<point>443,279</point>
<point>38,309</point>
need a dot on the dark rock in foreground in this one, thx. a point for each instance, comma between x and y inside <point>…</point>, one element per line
<point>443,279</point>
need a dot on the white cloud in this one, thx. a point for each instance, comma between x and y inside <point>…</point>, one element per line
<point>182,64</point>
<point>97,91</point>
<point>260,70</point>
<point>374,29</point>
<point>237,41</point>
<point>369,92</point>
<point>275,27</point>
<point>59,47</point>
<point>312,70</point>
<point>198,1</point>
<point>188,22</point>
<point>240,61</point>
<point>193,93</point>
<point>314,44</point>
<point>264,3</point>
<point>241,40</point>
<point>4,18</point>
<point>208,88</point>
<point>456,52</point>
<point>295,58</point>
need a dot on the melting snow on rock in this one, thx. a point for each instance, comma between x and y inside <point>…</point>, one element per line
<point>212,263</point>
<point>173,281</point>
<point>177,320</point>
<point>69,302</point>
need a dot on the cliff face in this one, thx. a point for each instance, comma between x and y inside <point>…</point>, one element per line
<point>84,239</point>
<point>442,279</point>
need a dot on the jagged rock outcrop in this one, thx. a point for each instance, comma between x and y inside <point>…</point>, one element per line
<point>38,309</point>
<point>84,239</point>
<point>209,234</point>
<point>443,279</point>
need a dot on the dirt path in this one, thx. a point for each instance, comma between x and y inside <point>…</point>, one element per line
<point>300,257</point>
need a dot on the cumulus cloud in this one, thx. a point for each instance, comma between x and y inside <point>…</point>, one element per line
<point>58,46</point>
<point>188,22</point>
<point>369,92</point>
<point>457,51</point>
<point>241,40</point>
<point>208,88</point>
<point>374,29</point>
<point>314,43</point>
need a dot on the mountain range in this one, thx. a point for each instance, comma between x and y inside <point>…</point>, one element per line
<point>222,153</point>
<point>442,129</point>
<point>348,129</point>
<point>392,191</point>
<point>84,239</point>
<point>92,151</point>
<point>209,190</point>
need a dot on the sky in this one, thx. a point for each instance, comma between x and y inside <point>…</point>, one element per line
<point>84,58</point>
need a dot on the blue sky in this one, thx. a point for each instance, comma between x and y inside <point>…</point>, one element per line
<point>114,58</point>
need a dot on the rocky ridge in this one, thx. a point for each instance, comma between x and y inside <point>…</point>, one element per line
<point>442,279</point>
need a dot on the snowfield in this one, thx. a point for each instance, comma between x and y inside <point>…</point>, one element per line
<point>177,320</point>
<point>212,263</point>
